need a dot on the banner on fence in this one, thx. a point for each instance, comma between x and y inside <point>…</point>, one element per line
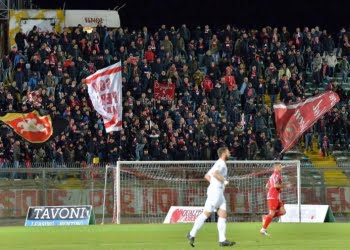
<point>182,214</point>
<point>60,216</point>
<point>309,213</point>
<point>157,201</point>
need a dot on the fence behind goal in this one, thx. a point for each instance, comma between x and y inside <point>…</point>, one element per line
<point>77,184</point>
<point>143,192</point>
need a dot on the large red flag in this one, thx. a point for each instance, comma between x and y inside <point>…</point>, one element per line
<point>294,119</point>
<point>32,126</point>
<point>105,91</point>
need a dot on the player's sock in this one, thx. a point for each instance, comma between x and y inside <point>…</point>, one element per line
<point>198,224</point>
<point>222,229</point>
<point>268,220</point>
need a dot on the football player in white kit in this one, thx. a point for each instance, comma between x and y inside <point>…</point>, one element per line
<point>215,199</point>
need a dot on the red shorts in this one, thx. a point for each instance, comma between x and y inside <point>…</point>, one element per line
<point>275,204</point>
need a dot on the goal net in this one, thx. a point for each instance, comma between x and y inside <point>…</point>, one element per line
<point>143,192</point>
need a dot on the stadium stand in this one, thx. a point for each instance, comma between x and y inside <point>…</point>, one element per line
<point>225,79</point>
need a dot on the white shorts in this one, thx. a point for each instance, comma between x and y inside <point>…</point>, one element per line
<point>215,200</point>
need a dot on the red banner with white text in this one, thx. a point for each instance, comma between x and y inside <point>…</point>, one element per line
<point>294,119</point>
<point>164,91</point>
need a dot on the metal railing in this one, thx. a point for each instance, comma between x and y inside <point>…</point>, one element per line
<point>37,165</point>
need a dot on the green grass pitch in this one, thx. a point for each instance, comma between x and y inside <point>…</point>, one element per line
<point>160,237</point>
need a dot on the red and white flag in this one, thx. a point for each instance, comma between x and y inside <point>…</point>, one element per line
<point>34,98</point>
<point>32,126</point>
<point>294,119</point>
<point>105,91</point>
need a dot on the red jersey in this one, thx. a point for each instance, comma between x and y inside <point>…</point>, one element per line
<point>150,56</point>
<point>230,81</point>
<point>274,193</point>
<point>207,85</point>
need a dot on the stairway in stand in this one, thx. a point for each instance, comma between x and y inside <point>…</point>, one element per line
<point>333,176</point>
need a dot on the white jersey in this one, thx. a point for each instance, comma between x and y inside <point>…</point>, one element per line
<point>215,184</point>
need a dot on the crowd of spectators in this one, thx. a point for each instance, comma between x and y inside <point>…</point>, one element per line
<point>223,78</point>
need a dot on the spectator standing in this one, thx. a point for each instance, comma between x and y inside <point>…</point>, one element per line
<point>214,47</point>
<point>325,146</point>
<point>141,142</point>
<point>20,39</point>
<point>16,149</point>
<point>168,45</point>
<point>273,91</point>
<point>345,46</point>
<point>332,61</point>
<point>344,68</point>
<point>328,44</point>
<point>316,69</point>
<point>308,140</point>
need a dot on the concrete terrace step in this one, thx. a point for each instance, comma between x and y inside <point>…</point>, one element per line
<point>333,176</point>
<point>337,183</point>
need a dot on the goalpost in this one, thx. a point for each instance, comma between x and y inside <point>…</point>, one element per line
<point>143,191</point>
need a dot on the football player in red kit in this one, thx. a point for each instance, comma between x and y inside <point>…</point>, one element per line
<point>276,206</point>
